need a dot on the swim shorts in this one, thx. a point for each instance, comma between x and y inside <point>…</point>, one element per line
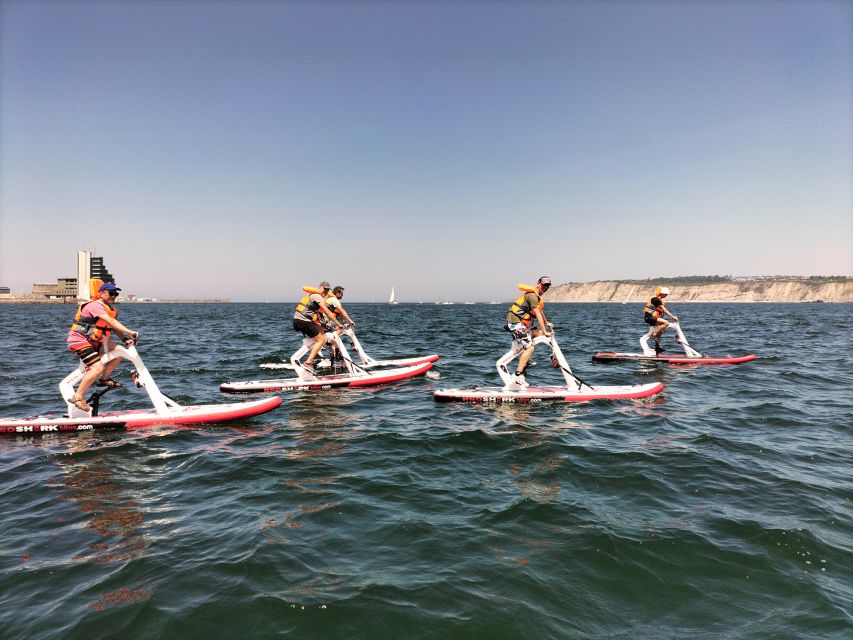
<point>306,328</point>
<point>651,320</point>
<point>86,352</point>
<point>521,333</point>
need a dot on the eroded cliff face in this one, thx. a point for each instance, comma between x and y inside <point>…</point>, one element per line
<point>749,291</point>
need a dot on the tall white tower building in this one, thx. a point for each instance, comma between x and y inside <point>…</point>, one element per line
<point>84,272</point>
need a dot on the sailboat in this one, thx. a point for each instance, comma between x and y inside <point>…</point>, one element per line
<point>630,293</point>
<point>393,298</point>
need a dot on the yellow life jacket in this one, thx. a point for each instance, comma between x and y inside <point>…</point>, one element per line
<point>521,309</point>
<point>309,309</point>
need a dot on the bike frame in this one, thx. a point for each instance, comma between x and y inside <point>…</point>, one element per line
<point>162,403</point>
<point>689,351</point>
<point>517,349</point>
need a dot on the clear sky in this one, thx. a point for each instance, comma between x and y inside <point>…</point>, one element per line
<point>452,149</point>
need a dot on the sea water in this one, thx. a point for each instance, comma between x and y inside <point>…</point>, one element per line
<point>719,509</point>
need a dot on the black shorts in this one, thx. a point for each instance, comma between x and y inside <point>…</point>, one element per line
<point>88,354</point>
<point>651,320</point>
<point>307,328</point>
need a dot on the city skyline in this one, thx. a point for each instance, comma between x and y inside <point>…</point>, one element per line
<point>253,148</point>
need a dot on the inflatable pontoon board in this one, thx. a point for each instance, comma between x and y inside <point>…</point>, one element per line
<point>136,419</point>
<point>500,395</point>
<point>324,383</point>
<point>669,358</point>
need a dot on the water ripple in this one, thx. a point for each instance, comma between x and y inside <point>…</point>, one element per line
<point>720,509</point>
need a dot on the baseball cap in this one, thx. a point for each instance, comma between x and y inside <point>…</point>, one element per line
<point>664,291</point>
<point>108,286</point>
<point>325,285</point>
<point>545,280</point>
<point>338,288</point>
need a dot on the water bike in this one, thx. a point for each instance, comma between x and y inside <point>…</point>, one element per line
<point>339,370</point>
<point>364,360</point>
<point>165,412</point>
<point>690,356</point>
<point>574,389</point>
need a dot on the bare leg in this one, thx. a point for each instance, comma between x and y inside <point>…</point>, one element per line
<point>111,365</point>
<point>661,325</point>
<point>524,359</point>
<point>319,340</point>
<point>88,378</point>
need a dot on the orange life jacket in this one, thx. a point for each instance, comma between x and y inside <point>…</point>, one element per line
<point>309,308</point>
<point>655,310</point>
<point>522,309</point>
<point>95,288</point>
<point>92,327</point>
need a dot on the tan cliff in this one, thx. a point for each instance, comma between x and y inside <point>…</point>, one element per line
<point>781,290</point>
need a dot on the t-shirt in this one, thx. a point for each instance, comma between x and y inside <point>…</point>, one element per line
<point>312,307</point>
<point>92,309</point>
<point>333,303</point>
<point>531,301</point>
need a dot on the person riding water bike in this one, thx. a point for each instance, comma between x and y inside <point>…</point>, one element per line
<point>333,301</point>
<point>519,319</point>
<point>653,314</point>
<point>306,320</point>
<point>89,339</point>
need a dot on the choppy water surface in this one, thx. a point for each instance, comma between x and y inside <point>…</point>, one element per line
<point>721,509</point>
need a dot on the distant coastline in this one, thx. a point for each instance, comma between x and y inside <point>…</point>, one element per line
<point>32,299</point>
<point>709,289</point>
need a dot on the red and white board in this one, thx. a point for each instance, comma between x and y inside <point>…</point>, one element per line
<point>499,395</point>
<point>324,383</point>
<point>135,419</point>
<point>669,358</point>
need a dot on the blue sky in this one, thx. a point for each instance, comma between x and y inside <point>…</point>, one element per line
<point>452,149</point>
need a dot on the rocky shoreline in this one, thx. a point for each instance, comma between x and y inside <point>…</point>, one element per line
<point>730,291</point>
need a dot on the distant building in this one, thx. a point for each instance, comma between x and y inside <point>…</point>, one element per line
<point>98,270</point>
<point>84,269</point>
<point>88,266</point>
<point>63,288</point>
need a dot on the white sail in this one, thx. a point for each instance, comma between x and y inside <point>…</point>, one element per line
<point>392,299</point>
<point>630,293</point>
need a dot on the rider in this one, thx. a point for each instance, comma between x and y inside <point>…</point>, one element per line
<point>653,314</point>
<point>519,319</point>
<point>333,301</point>
<point>89,338</point>
<point>306,320</point>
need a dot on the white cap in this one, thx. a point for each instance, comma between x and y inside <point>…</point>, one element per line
<point>664,291</point>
